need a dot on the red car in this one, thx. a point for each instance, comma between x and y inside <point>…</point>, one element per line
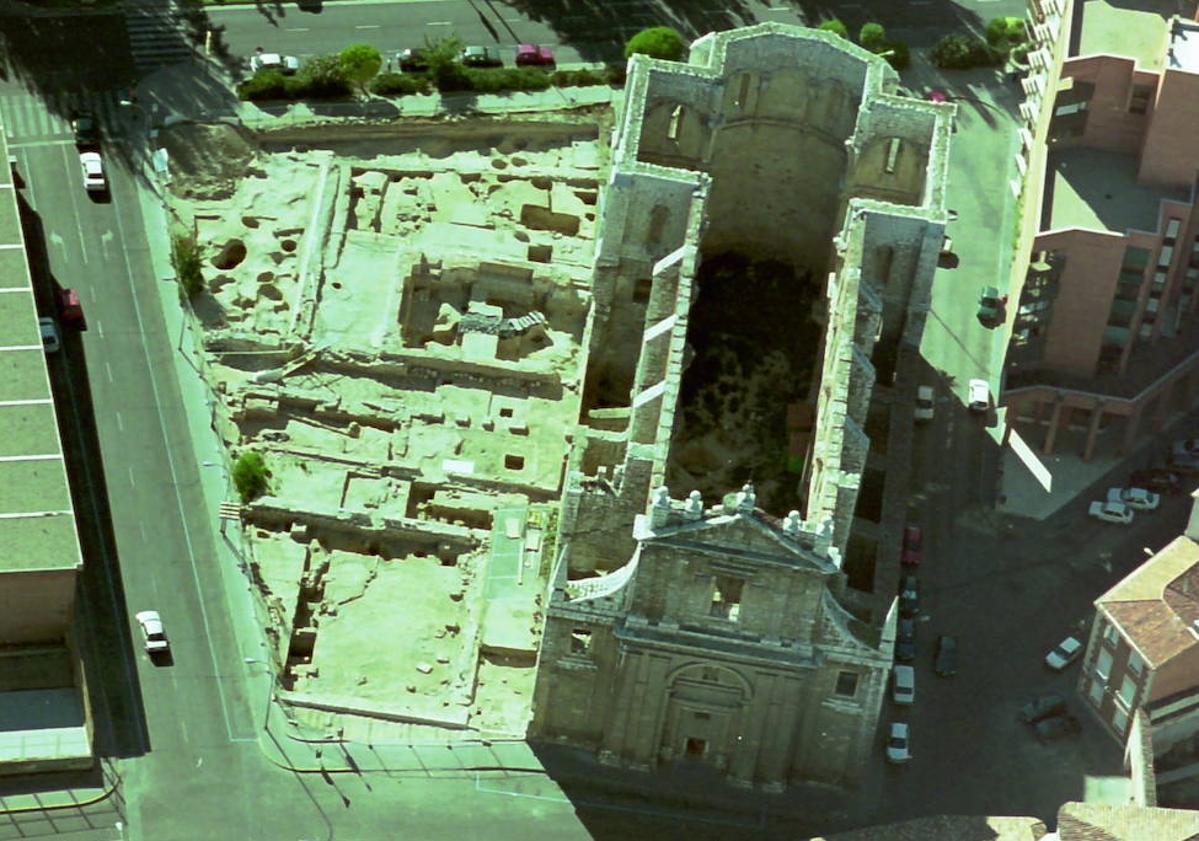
<point>913,545</point>
<point>531,55</point>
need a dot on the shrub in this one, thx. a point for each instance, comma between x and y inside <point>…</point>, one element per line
<point>1004,32</point>
<point>960,52</point>
<point>250,476</point>
<point>360,63</point>
<point>442,56</point>
<point>898,55</point>
<point>616,73</point>
<point>321,77</point>
<point>400,84</point>
<point>873,37</point>
<point>265,84</point>
<point>185,258</point>
<point>578,78</point>
<point>657,42</point>
<point>836,27</point>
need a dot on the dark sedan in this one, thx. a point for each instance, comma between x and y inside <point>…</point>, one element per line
<point>946,664</point>
<point>905,643</point>
<point>1057,727</point>
<point>1042,707</point>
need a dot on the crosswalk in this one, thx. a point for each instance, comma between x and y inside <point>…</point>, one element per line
<point>28,119</point>
<point>158,34</point>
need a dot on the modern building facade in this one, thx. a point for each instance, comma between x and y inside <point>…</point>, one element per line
<point>1103,342</point>
<point>724,634</point>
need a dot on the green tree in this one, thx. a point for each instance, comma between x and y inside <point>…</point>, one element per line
<point>836,27</point>
<point>360,63</point>
<point>445,68</point>
<point>185,258</point>
<point>323,75</point>
<point>250,476</point>
<point>873,37</point>
<point>657,42</point>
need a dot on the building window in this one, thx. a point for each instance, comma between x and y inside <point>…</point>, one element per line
<point>1172,230</point>
<point>892,155</point>
<point>1165,257</point>
<point>1110,635</point>
<point>1138,103</point>
<point>710,674</point>
<point>1103,665</point>
<point>1119,720</point>
<point>1135,663</point>
<point>580,641</point>
<point>1095,693</point>
<point>847,684</point>
<point>1128,691</point>
<point>726,598</point>
<point>676,120</point>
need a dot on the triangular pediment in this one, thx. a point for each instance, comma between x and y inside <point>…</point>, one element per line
<point>747,535</point>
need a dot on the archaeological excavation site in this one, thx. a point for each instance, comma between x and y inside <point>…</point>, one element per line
<point>567,416</point>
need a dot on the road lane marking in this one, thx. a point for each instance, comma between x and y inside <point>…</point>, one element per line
<point>439,23</point>
<point>75,208</point>
<point>368,26</point>
<point>37,401</point>
<point>120,423</point>
<point>298,29</point>
<point>38,457</point>
<point>100,328</point>
<point>131,480</point>
<point>108,370</point>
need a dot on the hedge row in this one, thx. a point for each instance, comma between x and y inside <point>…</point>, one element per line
<point>273,85</point>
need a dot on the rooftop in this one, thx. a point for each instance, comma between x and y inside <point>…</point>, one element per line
<point>1184,47</point>
<point>1156,605</point>
<point>1097,190</point>
<point>1109,822</point>
<point>37,525</point>
<point>1140,34</point>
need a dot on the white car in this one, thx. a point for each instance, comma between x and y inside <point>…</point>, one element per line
<point>924,403</point>
<point>285,64</point>
<point>1136,498</point>
<point>903,684</point>
<point>899,745</point>
<point>51,338</point>
<point>93,172</point>
<point>154,635</point>
<point>1111,512</point>
<point>979,396</point>
<point>1067,652</point>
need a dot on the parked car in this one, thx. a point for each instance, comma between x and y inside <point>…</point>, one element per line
<point>94,180</point>
<point>285,64</point>
<point>87,130</point>
<point>1157,479</point>
<point>990,306</point>
<point>899,746</point>
<point>1111,512</point>
<point>1138,499</point>
<point>1056,727</point>
<point>913,545</point>
<point>925,403</point>
<point>412,61</point>
<point>1042,707</point>
<point>946,664</point>
<point>479,57</point>
<point>70,311</point>
<point>903,684</point>
<point>51,338</point>
<point>905,641</point>
<point>534,55</point>
<point>153,633</point>
<point>1066,652</point>
<point>909,596</point>
<point>979,396</point>
<point>1182,459</point>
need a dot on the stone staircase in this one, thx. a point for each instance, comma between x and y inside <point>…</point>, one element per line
<point>158,34</point>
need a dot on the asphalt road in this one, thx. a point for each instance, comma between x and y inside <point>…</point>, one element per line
<point>580,31</point>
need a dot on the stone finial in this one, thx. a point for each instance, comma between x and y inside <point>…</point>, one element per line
<point>747,500</point>
<point>660,508</point>
<point>792,524</point>
<point>694,507</point>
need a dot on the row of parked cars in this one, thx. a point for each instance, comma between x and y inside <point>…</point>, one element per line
<point>527,55</point>
<point>1145,487</point>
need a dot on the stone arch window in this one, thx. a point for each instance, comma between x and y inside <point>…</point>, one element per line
<point>893,147</point>
<point>743,83</point>
<point>657,224</point>
<point>675,125</point>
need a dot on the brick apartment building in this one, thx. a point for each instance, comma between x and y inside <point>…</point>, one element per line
<point>1143,655</point>
<point>1103,342</point>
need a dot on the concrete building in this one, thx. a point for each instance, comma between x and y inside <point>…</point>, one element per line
<point>1142,658</point>
<point>1103,335</point>
<point>44,720</point>
<point>770,230</point>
